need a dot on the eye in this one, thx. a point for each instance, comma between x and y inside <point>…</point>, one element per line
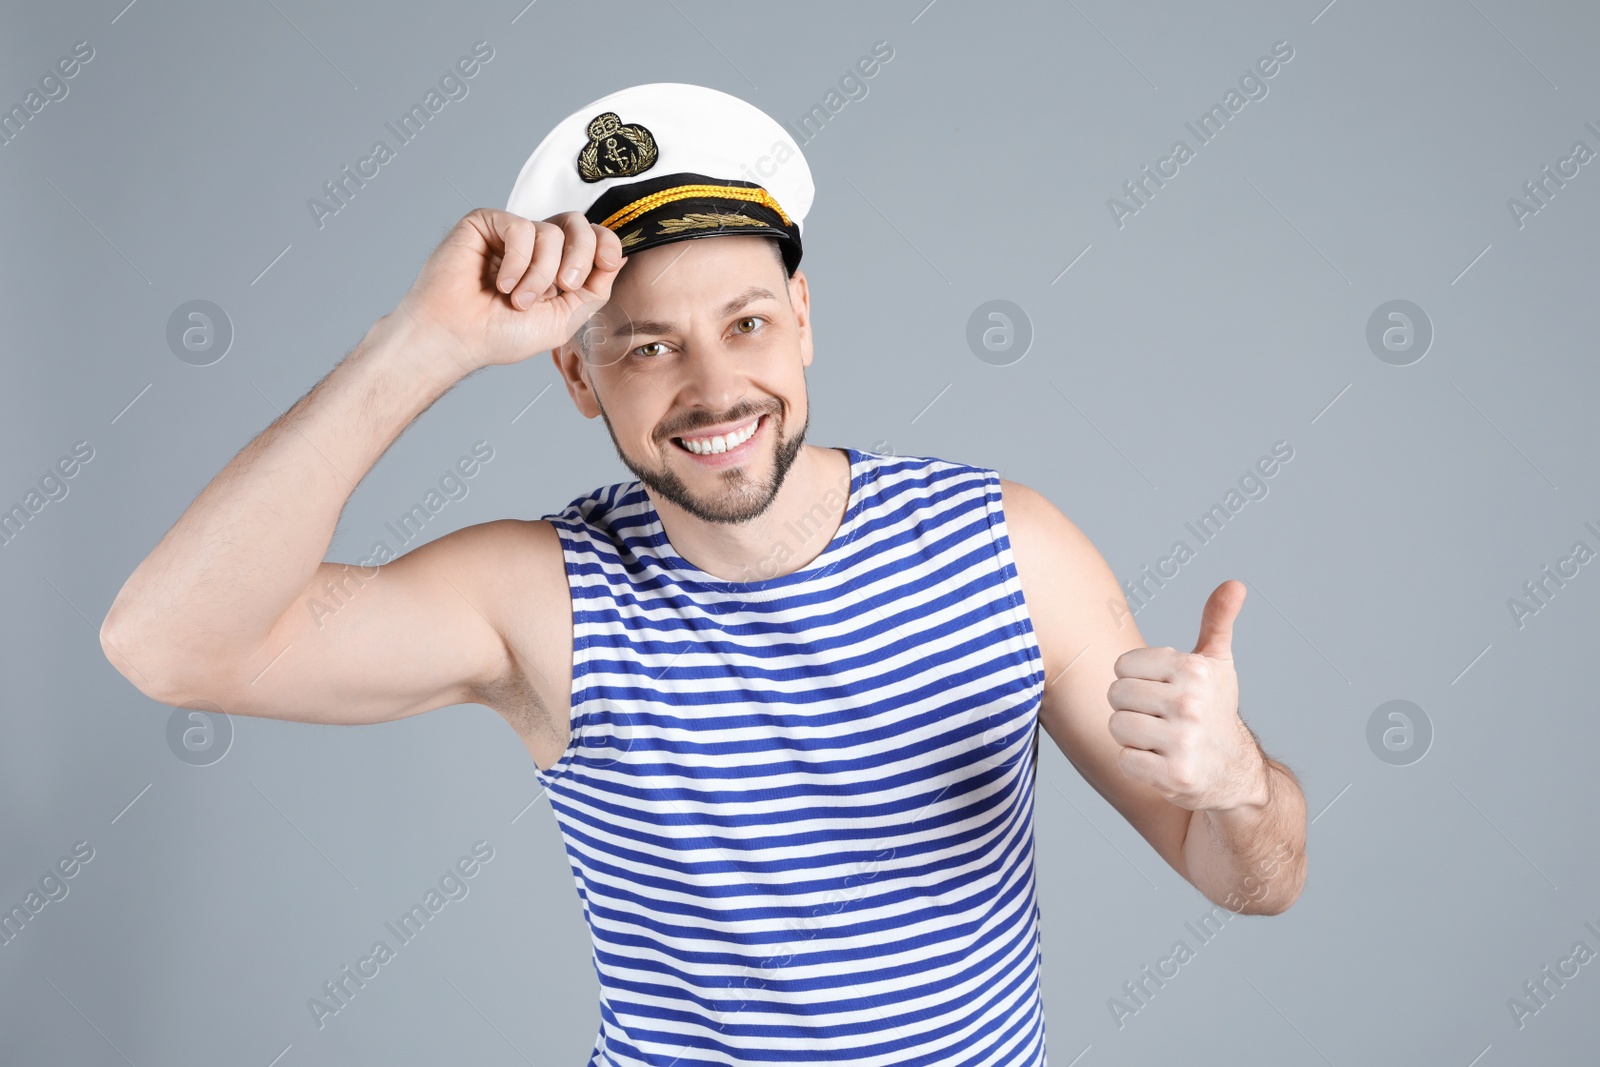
<point>640,351</point>
<point>750,319</point>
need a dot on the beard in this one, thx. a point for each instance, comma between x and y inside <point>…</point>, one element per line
<point>742,497</point>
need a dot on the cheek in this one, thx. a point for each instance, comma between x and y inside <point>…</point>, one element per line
<point>619,397</point>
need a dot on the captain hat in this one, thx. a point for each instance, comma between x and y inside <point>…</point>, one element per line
<point>669,161</point>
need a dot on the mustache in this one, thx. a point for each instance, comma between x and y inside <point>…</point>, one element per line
<point>740,416</point>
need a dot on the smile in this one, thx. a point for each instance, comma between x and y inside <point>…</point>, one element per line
<point>727,441</point>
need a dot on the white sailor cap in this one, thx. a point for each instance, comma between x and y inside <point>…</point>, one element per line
<point>668,161</point>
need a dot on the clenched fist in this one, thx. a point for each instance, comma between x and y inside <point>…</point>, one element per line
<point>500,288</point>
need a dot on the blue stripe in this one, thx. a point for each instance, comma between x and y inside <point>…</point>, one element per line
<point>727,800</point>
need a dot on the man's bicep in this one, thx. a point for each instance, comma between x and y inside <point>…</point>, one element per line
<point>1081,620</point>
<point>371,645</point>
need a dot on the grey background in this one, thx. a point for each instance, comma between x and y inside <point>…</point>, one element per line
<point>1229,313</point>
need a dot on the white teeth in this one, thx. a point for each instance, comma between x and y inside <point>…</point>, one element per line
<point>705,446</point>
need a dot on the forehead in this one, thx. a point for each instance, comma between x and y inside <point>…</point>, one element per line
<point>670,284</point>
<point>701,268</point>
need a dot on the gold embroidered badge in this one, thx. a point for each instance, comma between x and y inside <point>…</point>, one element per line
<point>632,238</point>
<point>616,149</point>
<point>700,220</point>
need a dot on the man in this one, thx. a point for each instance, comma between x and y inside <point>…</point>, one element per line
<point>784,699</point>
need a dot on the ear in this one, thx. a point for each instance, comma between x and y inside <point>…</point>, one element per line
<point>574,371</point>
<point>800,298</point>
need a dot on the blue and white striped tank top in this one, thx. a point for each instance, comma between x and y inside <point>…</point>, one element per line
<point>799,811</point>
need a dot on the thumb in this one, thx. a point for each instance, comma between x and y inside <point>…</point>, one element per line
<point>1216,620</point>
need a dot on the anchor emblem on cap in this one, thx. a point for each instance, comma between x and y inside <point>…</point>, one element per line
<point>616,149</point>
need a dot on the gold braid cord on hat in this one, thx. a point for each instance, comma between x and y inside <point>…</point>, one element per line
<point>627,214</point>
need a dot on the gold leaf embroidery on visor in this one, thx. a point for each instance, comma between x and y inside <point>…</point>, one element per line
<point>700,220</point>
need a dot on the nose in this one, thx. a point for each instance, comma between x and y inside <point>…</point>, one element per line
<point>712,378</point>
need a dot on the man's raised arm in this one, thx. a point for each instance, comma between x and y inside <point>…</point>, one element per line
<point>216,611</point>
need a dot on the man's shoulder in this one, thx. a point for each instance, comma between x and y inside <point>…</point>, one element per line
<point>1037,527</point>
<point>1025,504</point>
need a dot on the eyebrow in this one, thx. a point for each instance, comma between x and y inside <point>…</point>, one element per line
<point>656,326</point>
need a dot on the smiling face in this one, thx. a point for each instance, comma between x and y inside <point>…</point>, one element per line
<point>697,365</point>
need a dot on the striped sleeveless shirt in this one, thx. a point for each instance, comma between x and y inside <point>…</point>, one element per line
<point>799,810</point>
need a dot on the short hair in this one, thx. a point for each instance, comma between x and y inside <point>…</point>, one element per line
<point>777,250</point>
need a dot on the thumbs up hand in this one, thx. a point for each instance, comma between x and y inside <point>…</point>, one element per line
<point>1176,716</point>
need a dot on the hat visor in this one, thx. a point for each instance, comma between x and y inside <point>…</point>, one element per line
<point>709,216</point>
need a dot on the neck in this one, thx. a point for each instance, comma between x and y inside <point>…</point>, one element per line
<point>793,531</point>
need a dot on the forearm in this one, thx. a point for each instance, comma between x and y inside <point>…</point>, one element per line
<point>1251,858</point>
<point>248,545</point>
